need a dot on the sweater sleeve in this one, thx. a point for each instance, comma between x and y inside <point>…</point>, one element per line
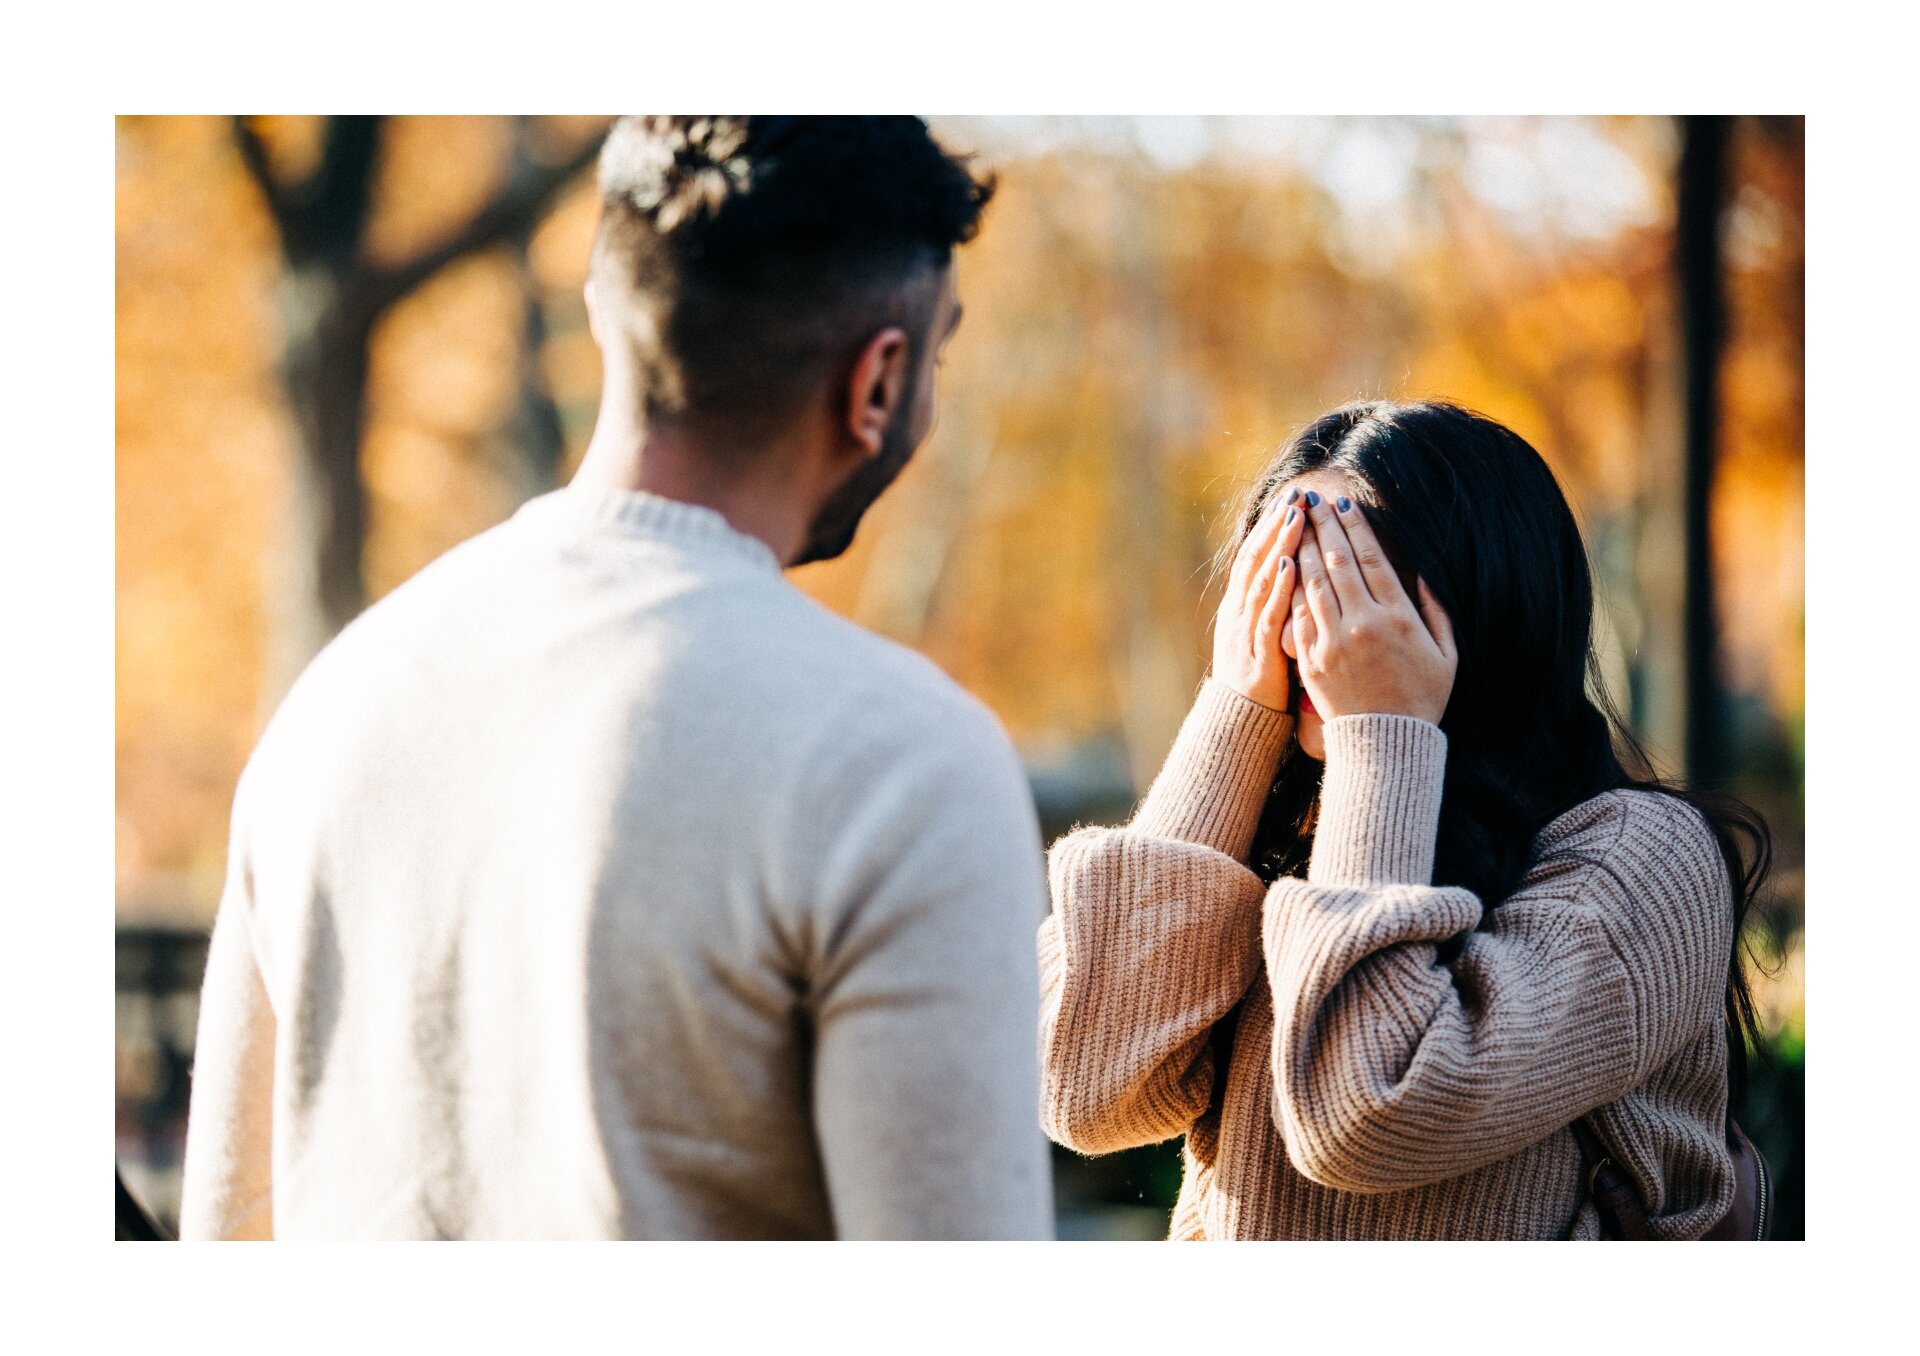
<point>1393,1067</point>
<point>926,883</point>
<point>227,1179</point>
<point>1155,936</point>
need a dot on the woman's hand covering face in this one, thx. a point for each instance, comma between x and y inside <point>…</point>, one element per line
<point>1360,643</point>
<point>1246,630</point>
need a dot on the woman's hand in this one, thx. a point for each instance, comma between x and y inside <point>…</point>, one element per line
<point>1246,630</point>
<point>1361,644</point>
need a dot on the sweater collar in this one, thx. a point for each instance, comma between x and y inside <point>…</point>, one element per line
<point>645,517</point>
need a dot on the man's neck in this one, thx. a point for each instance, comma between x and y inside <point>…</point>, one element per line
<point>625,456</point>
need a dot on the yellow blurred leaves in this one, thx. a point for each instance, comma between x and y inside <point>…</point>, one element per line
<point>434,173</point>
<point>562,243</point>
<point>201,466</point>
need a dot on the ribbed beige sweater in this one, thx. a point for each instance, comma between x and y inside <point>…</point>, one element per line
<point>1374,1091</point>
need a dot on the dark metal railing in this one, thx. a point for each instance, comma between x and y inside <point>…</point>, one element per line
<point>156,990</point>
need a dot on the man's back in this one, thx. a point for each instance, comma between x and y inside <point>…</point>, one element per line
<point>596,884</point>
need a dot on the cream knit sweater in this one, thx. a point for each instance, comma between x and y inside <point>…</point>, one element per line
<point>1372,1090</point>
<point>597,883</point>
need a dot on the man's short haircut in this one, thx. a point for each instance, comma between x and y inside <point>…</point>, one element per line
<point>744,259</point>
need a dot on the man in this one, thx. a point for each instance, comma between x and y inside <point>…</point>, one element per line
<point>596,882</point>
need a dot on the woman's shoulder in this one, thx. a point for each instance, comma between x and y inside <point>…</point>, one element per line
<point>1645,871</point>
<point>1628,813</point>
<point>1640,838</point>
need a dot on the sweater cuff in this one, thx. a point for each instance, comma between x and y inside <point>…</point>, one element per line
<point>1379,802</point>
<point>1215,781</point>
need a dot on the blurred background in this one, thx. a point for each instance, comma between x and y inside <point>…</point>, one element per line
<point>345,344</point>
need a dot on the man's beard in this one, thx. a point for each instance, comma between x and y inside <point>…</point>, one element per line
<point>831,531</point>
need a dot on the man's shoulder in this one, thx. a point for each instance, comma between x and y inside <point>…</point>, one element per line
<point>891,684</point>
<point>897,772</point>
<point>404,617</point>
<point>856,702</point>
<point>394,631</point>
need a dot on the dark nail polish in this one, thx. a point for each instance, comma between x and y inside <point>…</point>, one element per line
<point>1343,503</point>
<point>1313,499</point>
<point>1292,495</point>
<point>1291,515</point>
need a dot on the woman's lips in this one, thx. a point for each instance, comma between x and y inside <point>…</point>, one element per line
<point>1306,704</point>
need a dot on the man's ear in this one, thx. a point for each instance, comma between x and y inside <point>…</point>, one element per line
<point>877,394</point>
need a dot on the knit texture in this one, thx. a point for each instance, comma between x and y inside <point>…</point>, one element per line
<point>597,883</point>
<point>1365,1087</point>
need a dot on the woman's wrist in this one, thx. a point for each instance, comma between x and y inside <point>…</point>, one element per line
<point>1379,817</point>
<point>1215,781</point>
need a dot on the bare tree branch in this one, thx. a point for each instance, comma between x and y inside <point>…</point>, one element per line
<point>253,154</point>
<point>530,188</point>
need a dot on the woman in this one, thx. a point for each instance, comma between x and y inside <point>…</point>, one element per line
<point>1394,915</point>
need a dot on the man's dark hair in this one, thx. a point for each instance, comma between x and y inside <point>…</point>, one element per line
<point>745,259</point>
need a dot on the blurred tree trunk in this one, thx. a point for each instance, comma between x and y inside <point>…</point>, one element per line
<point>331,299</point>
<point>1659,667</point>
<point>1698,263</point>
<point>1155,668</point>
<point>534,429</point>
<point>327,327</point>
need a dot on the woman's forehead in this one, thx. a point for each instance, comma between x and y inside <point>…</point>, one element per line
<point>1330,483</point>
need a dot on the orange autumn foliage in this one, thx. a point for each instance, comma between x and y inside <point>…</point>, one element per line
<point>1139,335</point>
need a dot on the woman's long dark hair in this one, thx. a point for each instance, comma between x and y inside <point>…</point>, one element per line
<point>1468,505</point>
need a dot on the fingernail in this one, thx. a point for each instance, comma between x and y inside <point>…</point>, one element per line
<point>1292,495</point>
<point>1343,503</point>
<point>1291,515</point>
<point>1313,499</point>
